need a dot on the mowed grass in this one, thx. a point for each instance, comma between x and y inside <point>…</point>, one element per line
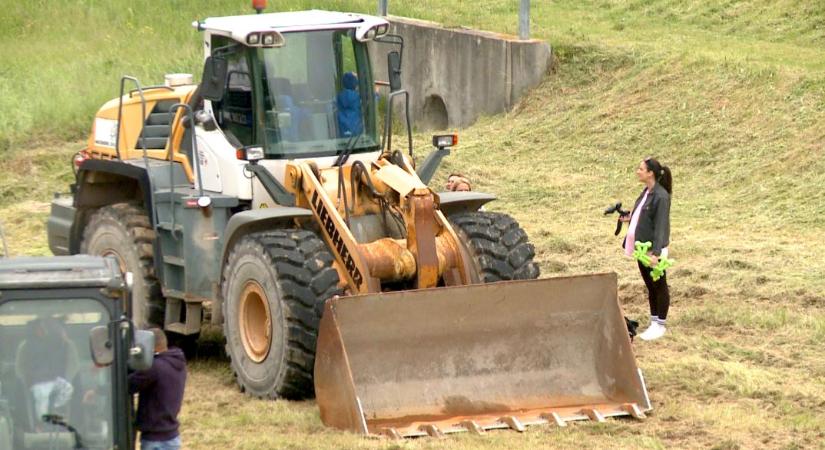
<point>730,94</point>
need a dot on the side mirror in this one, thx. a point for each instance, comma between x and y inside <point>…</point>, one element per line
<point>142,353</point>
<point>213,83</point>
<point>394,70</point>
<point>103,350</point>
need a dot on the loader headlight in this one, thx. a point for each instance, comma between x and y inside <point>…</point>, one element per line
<point>204,201</point>
<point>445,140</point>
<point>251,154</point>
<point>265,39</point>
<point>269,39</point>
<point>254,153</point>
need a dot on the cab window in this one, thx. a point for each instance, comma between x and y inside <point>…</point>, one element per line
<point>47,378</point>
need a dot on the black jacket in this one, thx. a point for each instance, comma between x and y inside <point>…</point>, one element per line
<point>654,220</point>
<point>160,395</point>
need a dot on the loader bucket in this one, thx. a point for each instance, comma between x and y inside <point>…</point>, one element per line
<point>475,358</point>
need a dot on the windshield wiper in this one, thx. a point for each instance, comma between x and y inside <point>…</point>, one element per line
<point>56,419</point>
<point>351,143</point>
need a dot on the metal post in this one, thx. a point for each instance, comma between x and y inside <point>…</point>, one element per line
<point>3,238</point>
<point>382,7</point>
<point>524,20</point>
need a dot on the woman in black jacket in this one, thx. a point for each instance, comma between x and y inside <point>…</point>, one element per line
<point>650,222</point>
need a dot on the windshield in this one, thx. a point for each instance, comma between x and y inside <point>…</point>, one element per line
<point>47,376</point>
<point>318,95</point>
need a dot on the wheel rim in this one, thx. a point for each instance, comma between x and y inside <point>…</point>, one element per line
<point>255,322</point>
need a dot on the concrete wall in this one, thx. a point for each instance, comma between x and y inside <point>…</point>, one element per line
<point>456,75</point>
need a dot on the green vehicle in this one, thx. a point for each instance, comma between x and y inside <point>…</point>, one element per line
<point>65,349</point>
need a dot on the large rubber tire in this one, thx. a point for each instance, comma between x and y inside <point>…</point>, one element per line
<point>497,245</point>
<point>124,231</point>
<point>286,275</point>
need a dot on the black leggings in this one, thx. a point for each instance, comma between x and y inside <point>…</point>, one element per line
<point>658,295</point>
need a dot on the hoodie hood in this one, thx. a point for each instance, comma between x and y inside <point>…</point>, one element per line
<point>174,357</point>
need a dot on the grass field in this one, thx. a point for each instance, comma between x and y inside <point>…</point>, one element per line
<point>730,94</point>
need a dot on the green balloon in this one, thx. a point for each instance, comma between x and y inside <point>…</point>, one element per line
<point>640,254</point>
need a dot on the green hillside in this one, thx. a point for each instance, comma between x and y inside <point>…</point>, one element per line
<point>62,59</point>
<point>730,94</point>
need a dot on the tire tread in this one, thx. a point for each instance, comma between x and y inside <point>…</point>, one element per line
<point>303,286</point>
<point>134,220</point>
<point>498,244</point>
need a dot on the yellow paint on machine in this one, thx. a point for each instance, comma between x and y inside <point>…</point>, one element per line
<point>102,145</point>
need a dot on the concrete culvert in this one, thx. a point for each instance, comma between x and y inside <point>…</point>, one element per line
<point>435,113</point>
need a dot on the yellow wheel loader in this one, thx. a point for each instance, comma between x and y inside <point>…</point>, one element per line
<point>267,199</point>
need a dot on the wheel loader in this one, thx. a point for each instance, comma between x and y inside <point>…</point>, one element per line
<point>269,200</point>
<point>66,348</point>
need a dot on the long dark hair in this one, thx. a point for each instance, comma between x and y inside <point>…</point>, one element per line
<point>662,174</point>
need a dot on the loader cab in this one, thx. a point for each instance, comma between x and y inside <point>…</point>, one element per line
<point>311,97</point>
<point>52,393</point>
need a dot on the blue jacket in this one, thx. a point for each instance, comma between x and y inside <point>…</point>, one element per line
<point>349,107</point>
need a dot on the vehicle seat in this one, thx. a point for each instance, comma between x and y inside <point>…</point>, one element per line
<point>290,114</point>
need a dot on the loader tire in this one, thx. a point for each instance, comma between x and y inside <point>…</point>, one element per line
<point>123,230</point>
<point>497,245</point>
<point>274,287</point>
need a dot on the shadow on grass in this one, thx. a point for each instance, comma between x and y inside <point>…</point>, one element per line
<point>209,346</point>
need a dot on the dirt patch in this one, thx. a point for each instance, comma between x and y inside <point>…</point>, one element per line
<point>553,266</point>
<point>695,291</point>
<point>738,264</point>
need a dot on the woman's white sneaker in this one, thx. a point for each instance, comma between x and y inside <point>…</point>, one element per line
<point>654,331</point>
<point>649,328</point>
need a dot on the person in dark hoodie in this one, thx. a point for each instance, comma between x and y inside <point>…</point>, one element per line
<point>160,395</point>
<point>650,222</point>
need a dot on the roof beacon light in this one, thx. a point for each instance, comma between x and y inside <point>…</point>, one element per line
<point>445,140</point>
<point>259,5</point>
